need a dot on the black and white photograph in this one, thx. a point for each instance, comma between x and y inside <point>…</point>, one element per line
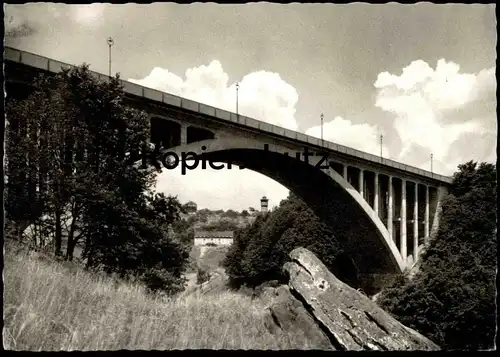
<point>250,176</point>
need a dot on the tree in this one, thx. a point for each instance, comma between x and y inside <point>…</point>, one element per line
<point>72,147</point>
<point>452,297</point>
<point>230,214</point>
<point>260,250</point>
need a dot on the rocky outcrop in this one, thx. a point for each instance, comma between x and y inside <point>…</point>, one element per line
<point>332,313</point>
<point>291,317</point>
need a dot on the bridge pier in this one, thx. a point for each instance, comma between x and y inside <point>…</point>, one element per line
<point>439,195</point>
<point>402,224</point>
<point>375,200</point>
<point>361,183</point>
<point>390,207</point>
<point>426,216</point>
<point>415,224</point>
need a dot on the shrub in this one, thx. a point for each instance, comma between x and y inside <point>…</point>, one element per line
<point>202,276</point>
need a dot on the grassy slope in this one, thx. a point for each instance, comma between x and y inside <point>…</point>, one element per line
<point>48,306</point>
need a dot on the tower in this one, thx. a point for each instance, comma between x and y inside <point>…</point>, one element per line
<point>263,204</point>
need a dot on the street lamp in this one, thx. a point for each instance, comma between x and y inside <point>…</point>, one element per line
<point>237,87</point>
<point>381,138</point>
<point>322,143</point>
<point>110,43</point>
<point>431,164</point>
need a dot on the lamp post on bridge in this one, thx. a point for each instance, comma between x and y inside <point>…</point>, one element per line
<point>111,42</point>
<point>381,138</point>
<point>237,87</point>
<point>432,172</point>
<point>322,142</point>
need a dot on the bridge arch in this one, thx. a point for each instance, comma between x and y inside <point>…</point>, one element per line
<point>338,203</point>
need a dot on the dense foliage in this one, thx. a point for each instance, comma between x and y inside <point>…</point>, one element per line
<point>260,250</point>
<point>71,148</point>
<point>451,299</point>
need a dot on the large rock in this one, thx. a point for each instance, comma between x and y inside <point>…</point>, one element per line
<point>289,316</point>
<point>332,314</point>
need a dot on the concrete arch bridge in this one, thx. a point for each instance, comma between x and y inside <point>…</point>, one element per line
<point>382,211</point>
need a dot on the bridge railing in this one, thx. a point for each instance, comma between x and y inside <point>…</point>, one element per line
<point>50,65</point>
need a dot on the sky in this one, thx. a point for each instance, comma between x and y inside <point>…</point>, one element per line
<point>422,75</point>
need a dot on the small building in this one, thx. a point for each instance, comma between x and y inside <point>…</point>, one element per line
<point>264,204</point>
<point>217,237</point>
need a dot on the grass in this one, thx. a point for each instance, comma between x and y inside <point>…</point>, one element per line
<point>212,258</point>
<point>50,306</point>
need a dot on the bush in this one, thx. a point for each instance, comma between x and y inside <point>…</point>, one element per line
<point>452,298</point>
<point>202,276</point>
<point>260,250</point>
<point>161,280</point>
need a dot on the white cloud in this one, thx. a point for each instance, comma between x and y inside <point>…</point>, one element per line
<point>262,95</point>
<point>422,99</point>
<point>364,137</point>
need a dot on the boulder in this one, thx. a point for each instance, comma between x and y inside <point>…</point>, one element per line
<point>333,313</point>
<point>287,315</point>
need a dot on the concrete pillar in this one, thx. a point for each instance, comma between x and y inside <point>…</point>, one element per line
<point>415,225</point>
<point>389,208</point>
<point>345,172</point>
<point>402,226</point>
<point>361,183</point>
<point>183,134</point>
<point>441,193</point>
<point>375,200</point>
<point>426,217</point>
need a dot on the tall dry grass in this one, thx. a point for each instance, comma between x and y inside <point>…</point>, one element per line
<point>48,306</point>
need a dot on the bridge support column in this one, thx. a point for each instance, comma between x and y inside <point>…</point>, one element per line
<point>426,217</point>
<point>184,134</point>
<point>441,192</point>
<point>390,208</point>
<point>345,172</point>
<point>361,183</point>
<point>415,225</point>
<point>402,226</point>
<point>375,199</point>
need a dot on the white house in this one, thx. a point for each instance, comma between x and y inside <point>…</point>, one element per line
<point>217,238</point>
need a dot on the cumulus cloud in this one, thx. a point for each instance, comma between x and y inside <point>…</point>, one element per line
<point>261,95</point>
<point>427,104</point>
<point>364,137</point>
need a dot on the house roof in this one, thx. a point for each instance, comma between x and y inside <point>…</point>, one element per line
<point>214,234</point>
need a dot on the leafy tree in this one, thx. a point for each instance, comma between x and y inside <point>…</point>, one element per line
<point>72,145</point>
<point>224,224</point>
<point>245,213</point>
<point>202,276</point>
<point>230,214</point>
<point>260,250</point>
<point>451,299</point>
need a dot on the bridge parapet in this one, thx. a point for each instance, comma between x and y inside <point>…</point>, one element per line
<point>54,66</point>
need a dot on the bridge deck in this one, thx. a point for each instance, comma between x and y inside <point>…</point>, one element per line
<point>54,66</point>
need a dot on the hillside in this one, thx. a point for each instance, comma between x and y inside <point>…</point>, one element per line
<point>51,306</point>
